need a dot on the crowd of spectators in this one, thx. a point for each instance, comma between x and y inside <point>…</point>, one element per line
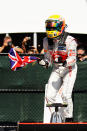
<point>26,47</point>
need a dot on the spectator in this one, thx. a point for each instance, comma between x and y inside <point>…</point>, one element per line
<point>81,54</point>
<point>27,47</point>
<point>7,44</point>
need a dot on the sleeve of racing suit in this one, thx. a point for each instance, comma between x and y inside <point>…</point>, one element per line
<point>72,51</point>
<point>47,53</point>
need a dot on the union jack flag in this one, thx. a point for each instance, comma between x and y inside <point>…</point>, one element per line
<point>17,61</point>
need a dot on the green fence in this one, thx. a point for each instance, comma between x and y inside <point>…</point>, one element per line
<point>22,92</point>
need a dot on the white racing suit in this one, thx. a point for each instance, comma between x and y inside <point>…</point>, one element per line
<point>61,82</point>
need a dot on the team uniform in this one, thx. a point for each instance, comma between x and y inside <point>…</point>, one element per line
<point>62,79</point>
<point>60,51</point>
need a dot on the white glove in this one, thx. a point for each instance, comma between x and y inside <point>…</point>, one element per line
<point>43,63</point>
<point>62,70</point>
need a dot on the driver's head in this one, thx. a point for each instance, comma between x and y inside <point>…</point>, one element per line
<point>55,25</point>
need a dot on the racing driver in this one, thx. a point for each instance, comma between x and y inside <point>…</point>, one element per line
<point>59,51</point>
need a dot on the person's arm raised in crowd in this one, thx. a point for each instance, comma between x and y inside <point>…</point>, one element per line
<point>24,42</point>
<point>18,49</point>
<point>3,46</point>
